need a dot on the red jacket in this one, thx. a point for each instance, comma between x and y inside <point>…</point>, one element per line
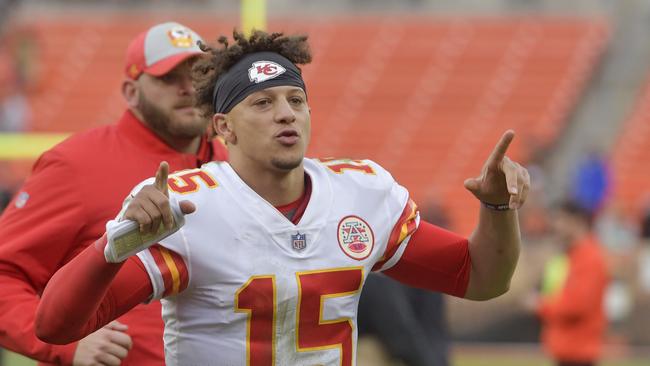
<point>63,207</point>
<point>573,321</point>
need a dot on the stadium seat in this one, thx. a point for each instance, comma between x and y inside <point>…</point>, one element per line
<point>425,97</point>
<point>631,150</point>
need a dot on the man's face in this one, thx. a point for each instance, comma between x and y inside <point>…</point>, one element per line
<point>271,128</point>
<point>565,226</point>
<point>167,103</point>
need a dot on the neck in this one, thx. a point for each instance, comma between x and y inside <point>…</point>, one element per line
<point>185,145</point>
<point>276,187</point>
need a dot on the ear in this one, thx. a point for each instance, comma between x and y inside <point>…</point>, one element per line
<point>222,125</point>
<point>131,93</point>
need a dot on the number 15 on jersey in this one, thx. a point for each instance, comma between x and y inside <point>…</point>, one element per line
<point>257,298</point>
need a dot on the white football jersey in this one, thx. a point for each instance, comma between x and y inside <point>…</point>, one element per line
<point>242,285</point>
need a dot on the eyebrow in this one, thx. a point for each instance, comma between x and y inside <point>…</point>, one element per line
<point>267,91</point>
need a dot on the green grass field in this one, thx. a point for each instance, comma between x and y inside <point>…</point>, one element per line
<point>459,360</point>
<point>12,359</point>
<point>478,360</point>
<point>531,355</point>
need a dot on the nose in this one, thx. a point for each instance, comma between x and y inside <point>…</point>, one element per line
<point>284,113</point>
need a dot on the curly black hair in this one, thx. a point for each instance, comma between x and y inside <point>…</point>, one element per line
<point>216,61</point>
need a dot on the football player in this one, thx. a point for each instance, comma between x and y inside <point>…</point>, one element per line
<point>269,266</point>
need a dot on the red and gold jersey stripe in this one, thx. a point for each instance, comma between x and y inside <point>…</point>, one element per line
<point>172,269</point>
<point>405,226</point>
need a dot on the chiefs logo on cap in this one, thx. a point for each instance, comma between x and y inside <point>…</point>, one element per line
<point>180,37</point>
<point>264,70</point>
<point>356,238</point>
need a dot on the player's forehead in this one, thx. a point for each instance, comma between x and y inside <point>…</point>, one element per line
<point>277,91</point>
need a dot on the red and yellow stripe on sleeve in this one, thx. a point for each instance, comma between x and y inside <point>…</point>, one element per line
<point>405,226</point>
<point>172,268</point>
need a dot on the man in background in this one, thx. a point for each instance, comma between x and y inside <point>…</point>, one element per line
<point>572,309</point>
<point>65,203</point>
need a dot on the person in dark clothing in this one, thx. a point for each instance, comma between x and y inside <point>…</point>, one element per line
<point>388,308</point>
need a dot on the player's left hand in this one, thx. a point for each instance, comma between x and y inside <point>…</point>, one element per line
<point>502,181</point>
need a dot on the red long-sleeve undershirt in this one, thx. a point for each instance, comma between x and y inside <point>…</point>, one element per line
<point>88,293</point>
<point>110,290</point>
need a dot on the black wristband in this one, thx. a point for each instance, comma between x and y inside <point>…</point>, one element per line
<point>498,207</point>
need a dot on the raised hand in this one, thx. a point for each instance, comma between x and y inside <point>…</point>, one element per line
<point>150,207</point>
<point>502,181</point>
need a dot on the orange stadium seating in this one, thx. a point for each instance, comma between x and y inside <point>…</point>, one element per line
<point>630,152</point>
<point>425,97</point>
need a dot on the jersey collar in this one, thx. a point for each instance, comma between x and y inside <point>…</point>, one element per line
<point>318,205</point>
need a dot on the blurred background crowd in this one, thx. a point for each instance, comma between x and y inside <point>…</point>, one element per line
<point>424,87</point>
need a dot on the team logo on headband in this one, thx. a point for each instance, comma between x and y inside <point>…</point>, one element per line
<point>264,70</point>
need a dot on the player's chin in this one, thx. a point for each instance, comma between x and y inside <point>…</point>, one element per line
<point>286,163</point>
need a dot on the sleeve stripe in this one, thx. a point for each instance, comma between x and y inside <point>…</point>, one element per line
<point>172,269</point>
<point>162,267</point>
<point>183,273</point>
<point>169,261</point>
<point>404,227</point>
<point>397,256</point>
<point>409,226</point>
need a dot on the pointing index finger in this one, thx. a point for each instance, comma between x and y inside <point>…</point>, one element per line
<point>500,149</point>
<point>161,177</point>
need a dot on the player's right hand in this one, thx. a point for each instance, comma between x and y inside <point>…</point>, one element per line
<point>107,346</point>
<point>150,207</point>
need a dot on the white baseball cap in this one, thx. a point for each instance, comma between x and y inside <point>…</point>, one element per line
<point>161,48</point>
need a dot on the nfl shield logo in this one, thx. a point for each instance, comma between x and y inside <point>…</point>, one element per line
<point>299,241</point>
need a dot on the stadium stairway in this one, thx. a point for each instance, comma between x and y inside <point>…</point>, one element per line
<point>630,159</point>
<point>604,120</point>
<point>425,97</point>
